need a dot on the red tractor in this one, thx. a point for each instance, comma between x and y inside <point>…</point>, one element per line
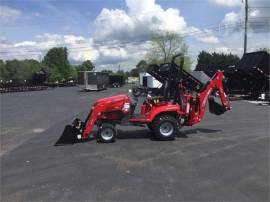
<point>181,101</point>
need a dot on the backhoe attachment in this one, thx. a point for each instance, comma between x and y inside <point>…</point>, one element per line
<point>216,83</point>
<point>198,105</point>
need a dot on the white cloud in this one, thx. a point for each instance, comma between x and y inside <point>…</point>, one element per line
<point>232,22</point>
<point>113,28</point>
<point>258,18</point>
<point>232,18</point>
<point>8,14</point>
<point>25,44</point>
<point>205,35</point>
<point>227,50</point>
<point>209,39</point>
<point>141,20</point>
<point>234,42</point>
<point>228,3</point>
<point>80,48</point>
<point>112,55</point>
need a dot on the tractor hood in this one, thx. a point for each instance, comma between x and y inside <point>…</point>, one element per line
<point>112,99</point>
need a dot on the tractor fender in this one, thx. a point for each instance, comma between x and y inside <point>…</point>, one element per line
<point>170,109</point>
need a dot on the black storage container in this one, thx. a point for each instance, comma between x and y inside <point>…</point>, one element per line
<point>116,80</point>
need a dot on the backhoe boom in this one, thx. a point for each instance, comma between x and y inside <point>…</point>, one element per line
<point>197,108</point>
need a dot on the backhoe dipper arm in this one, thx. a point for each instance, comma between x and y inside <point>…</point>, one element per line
<point>216,82</point>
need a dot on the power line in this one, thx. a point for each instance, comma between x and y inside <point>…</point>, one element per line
<point>185,34</point>
<point>83,48</point>
<point>198,33</point>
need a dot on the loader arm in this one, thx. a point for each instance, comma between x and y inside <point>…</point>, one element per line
<point>215,83</point>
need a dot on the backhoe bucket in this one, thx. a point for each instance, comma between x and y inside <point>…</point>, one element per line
<point>215,108</point>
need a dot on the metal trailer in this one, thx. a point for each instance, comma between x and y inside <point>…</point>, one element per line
<point>251,76</point>
<point>116,81</point>
<point>93,80</point>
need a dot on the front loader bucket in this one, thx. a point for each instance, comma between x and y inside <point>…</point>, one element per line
<point>70,133</point>
<point>67,136</point>
<point>215,108</point>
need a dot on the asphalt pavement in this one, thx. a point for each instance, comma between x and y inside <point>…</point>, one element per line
<point>224,158</point>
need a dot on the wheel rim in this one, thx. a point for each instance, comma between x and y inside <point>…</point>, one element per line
<point>107,133</point>
<point>166,129</point>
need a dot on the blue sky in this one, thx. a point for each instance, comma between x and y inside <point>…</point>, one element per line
<point>30,27</point>
<point>77,16</point>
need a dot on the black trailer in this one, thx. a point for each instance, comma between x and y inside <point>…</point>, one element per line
<point>116,81</point>
<point>93,80</point>
<point>250,76</point>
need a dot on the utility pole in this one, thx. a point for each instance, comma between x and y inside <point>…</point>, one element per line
<point>246,23</point>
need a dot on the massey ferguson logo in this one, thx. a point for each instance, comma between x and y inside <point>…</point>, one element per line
<point>126,107</point>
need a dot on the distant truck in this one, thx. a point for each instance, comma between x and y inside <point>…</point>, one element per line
<point>116,81</point>
<point>91,81</point>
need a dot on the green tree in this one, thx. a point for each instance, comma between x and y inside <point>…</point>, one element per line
<point>206,59</point>
<point>121,73</point>
<point>73,72</point>
<point>164,46</point>
<point>86,66</point>
<point>57,61</point>
<point>134,72</point>
<point>140,67</point>
<point>2,70</point>
<point>107,71</point>
<point>18,71</point>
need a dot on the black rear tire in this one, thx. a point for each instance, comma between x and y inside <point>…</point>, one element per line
<point>106,133</point>
<point>165,127</point>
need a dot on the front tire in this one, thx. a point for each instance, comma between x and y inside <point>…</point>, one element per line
<point>165,127</point>
<point>107,133</point>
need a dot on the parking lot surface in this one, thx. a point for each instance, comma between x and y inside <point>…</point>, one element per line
<point>224,158</point>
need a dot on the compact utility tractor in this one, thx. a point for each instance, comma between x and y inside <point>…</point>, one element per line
<point>181,101</point>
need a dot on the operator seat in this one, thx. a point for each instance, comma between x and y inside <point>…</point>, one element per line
<point>164,93</point>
